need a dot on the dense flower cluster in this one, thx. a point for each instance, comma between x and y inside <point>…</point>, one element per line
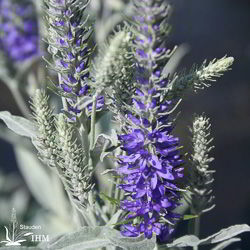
<point>149,171</point>
<point>19,37</point>
<point>68,37</point>
<point>151,163</point>
<point>201,176</point>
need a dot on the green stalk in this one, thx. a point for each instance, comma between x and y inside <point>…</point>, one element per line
<point>93,119</point>
<point>92,131</point>
<point>64,102</point>
<point>196,229</point>
<point>194,226</point>
<point>90,210</point>
<point>13,231</point>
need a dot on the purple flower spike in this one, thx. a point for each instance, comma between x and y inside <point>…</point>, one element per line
<point>70,31</point>
<point>149,180</point>
<point>150,165</point>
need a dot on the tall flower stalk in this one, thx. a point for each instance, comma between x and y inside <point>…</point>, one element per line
<point>151,163</point>
<point>58,147</point>
<point>67,39</point>
<point>201,198</point>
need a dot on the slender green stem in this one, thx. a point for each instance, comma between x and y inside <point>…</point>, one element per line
<point>90,209</point>
<point>64,102</point>
<point>76,211</point>
<point>92,132</point>
<point>117,196</point>
<point>197,226</point>
<point>13,231</point>
<point>156,247</point>
<point>93,119</point>
<point>103,215</point>
<point>196,229</point>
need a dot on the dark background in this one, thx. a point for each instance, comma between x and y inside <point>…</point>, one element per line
<point>212,28</point>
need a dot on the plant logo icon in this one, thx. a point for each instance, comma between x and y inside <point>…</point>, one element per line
<point>13,236</point>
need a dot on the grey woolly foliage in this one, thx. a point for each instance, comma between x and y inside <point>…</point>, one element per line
<point>113,57</point>
<point>45,123</point>
<point>58,148</point>
<point>72,162</point>
<point>19,125</point>
<point>198,77</point>
<point>201,176</point>
<point>113,69</point>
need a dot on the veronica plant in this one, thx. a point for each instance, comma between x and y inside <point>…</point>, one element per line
<point>144,161</point>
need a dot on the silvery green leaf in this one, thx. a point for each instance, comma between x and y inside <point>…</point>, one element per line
<point>13,138</point>
<point>85,238</point>
<point>20,248</point>
<point>103,143</point>
<point>97,237</point>
<point>84,102</point>
<point>114,137</point>
<point>176,59</point>
<point>19,125</point>
<point>104,155</point>
<point>226,233</point>
<point>225,244</point>
<point>25,67</point>
<point>114,219</point>
<point>128,243</point>
<point>185,241</point>
<point>184,207</point>
<point>189,216</point>
<point>42,182</point>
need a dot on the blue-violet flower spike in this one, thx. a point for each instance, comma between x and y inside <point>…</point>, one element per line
<point>151,163</point>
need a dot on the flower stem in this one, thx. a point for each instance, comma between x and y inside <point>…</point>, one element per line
<point>92,132</point>
<point>13,231</point>
<point>93,118</point>
<point>196,229</point>
<point>64,102</point>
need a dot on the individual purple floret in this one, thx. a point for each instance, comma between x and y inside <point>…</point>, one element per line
<point>151,162</point>
<point>19,37</point>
